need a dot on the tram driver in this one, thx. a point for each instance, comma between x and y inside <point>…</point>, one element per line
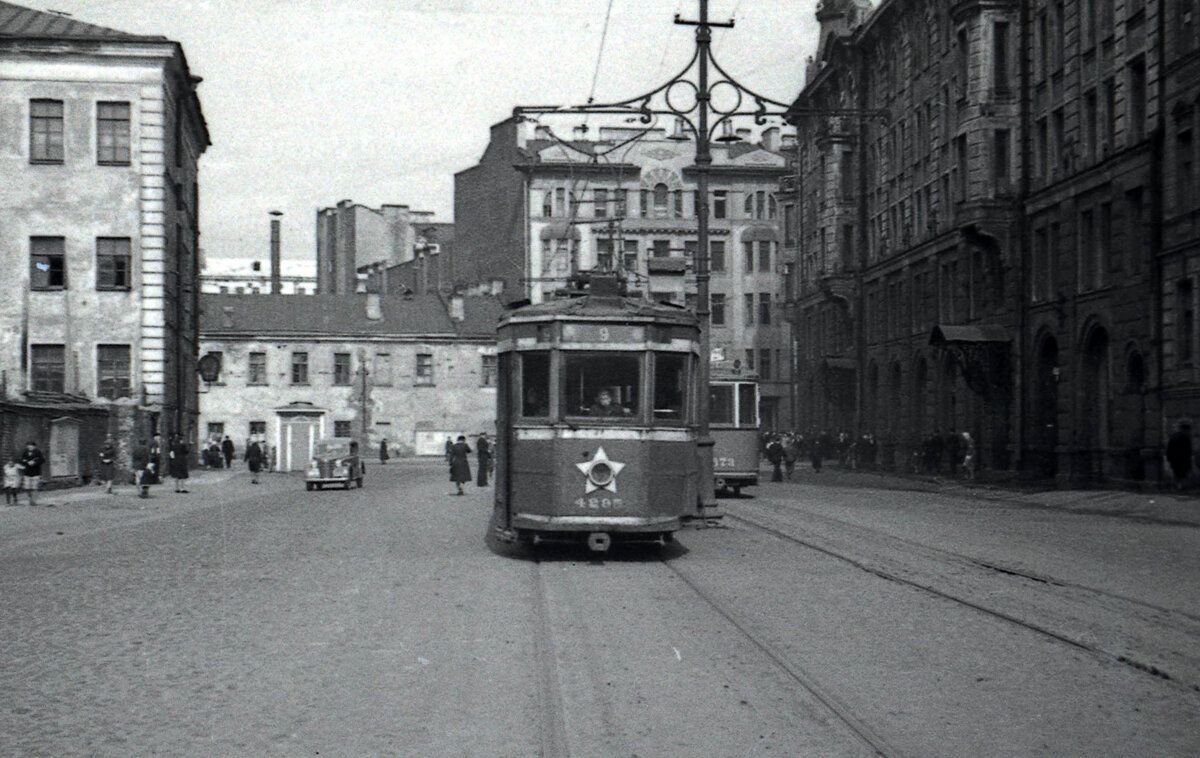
<point>604,406</point>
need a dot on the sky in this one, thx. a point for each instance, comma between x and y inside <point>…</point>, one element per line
<point>309,102</point>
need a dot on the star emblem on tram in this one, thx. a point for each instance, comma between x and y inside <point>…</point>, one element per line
<point>601,472</point>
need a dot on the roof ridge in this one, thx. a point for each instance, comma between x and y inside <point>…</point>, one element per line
<point>20,21</point>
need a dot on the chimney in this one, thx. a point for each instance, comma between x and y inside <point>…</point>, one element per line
<point>770,139</point>
<point>276,278</point>
<point>457,312</point>
<point>374,307</point>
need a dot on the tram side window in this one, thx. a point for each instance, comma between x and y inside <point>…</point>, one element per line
<point>670,385</point>
<point>535,384</point>
<point>602,385</point>
<point>747,405</point>
<point>720,404</point>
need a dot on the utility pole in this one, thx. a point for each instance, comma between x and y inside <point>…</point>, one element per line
<point>362,374</point>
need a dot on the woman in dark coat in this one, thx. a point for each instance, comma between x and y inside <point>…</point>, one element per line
<point>254,459</point>
<point>483,449</point>
<point>383,451</point>
<point>108,460</point>
<point>178,462</point>
<point>460,463</point>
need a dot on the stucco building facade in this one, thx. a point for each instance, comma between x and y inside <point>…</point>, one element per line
<point>101,133</point>
<point>538,209</point>
<point>977,244</point>
<point>298,370</point>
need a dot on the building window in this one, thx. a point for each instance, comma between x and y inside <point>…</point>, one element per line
<point>1000,63</point>
<point>47,368</point>
<point>258,428</point>
<point>45,131</point>
<point>487,371</point>
<point>764,308</point>
<point>113,263</point>
<point>1187,324</point>
<point>1091,125</point>
<point>1137,99</point>
<point>600,203</point>
<point>748,257</point>
<point>717,315</point>
<point>749,309</point>
<point>424,375</point>
<point>1134,231</point>
<point>661,248</point>
<point>749,359</point>
<point>644,203</point>
<point>299,368</point>
<point>257,373</point>
<point>47,263</point>
<point>748,205</point>
<point>720,204</point>
<point>1183,177</point>
<point>112,134</point>
<point>789,224</point>
<point>716,253</point>
<point>382,370</point>
<point>547,204</point>
<point>764,255</point>
<point>1088,267</point>
<point>341,368</point>
<point>341,428</point>
<point>112,371</point>
<point>1041,150</point>
<point>629,257</point>
<point>1000,160</point>
<point>216,430</point>
<point>660,200</point>
<point>765,365</point>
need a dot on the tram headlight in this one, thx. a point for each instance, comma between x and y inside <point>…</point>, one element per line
<point>601,474</point>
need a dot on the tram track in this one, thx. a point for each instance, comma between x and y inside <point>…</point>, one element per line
<point>552,726</point>
<point>797,673</point>
<point>1111,642</point>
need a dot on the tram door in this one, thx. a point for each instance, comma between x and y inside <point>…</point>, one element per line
<point>504,430</point>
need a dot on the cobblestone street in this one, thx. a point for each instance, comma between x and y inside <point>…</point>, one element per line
<point>827,617</point>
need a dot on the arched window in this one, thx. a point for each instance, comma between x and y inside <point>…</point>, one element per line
<point>548,204</point>
<point>772,207</point>
<point>748,206</point>
<point>660,200</point>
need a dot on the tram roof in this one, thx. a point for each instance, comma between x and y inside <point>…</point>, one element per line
<point>601,308</point>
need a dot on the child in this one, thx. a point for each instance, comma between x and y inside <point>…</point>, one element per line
<point>12,481</point>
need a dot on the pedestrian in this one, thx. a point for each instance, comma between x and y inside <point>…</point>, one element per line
<point>108,461</point>
<point>775,457</point>
<point>460,463</point>
<point>483,449</point>
<point>31,470</point>
<point>227,451</point>
<point>449,449</point>
<point>179,462</point>
<point>790,454</point>
<point>967,450</point>
<point>383,452</point>
<point>1179,454</point>
<point>141,465</point>
<point>156,458</point>
<point>12,479</point>
<point>254,459</point>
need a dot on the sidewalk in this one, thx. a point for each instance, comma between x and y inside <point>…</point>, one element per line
<point>1170,508</point>
<point>87,493</point>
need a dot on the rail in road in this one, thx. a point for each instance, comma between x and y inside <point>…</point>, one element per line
<point>1161,642</point>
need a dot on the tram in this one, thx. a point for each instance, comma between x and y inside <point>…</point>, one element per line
<point>734,422</point>
<point>596,418</point>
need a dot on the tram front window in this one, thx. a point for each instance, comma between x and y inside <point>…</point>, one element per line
<point>535,384</point>
<point>670,385</point>
<point>602,385</point>
<point>720,404</point>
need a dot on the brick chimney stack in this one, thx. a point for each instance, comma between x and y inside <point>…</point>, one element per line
<point>276,275</point>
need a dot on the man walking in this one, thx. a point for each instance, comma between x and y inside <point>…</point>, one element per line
<point>108,460</point>
<point>254,459</point>
<point>141,465</point>
<point>227,451</point>
<point>31,470</point>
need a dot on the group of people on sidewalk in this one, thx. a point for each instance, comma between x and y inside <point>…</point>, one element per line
<point>458,459</point>
<point>23,473</point>
<point>782,451</point>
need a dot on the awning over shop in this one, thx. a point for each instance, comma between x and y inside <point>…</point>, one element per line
<point>841,364</point>
<point>948,334</point>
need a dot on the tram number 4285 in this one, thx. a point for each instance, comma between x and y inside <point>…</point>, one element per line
<point>598,503</point>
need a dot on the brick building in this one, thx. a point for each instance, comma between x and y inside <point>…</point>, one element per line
<point>537,209</point>
<point>354,242</point>
<point>296,370</point>
<point>102,134</point>
<point>976,251</point>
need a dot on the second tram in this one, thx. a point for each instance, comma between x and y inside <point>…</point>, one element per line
<point>733,421</point>
<point>596,419</point>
